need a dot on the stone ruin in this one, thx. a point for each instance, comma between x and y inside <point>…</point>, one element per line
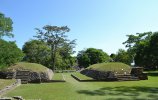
<point>136,73</point>
<point>28,76</point>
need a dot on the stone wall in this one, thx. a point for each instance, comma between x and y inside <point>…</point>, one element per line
<point>138,72</point>
<point>98,75</point>
<point>3,75</point>
<point>31,77</point>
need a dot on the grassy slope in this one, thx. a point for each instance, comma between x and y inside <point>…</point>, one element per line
<point>74,90</point>
<point>113,66</point>
<point>4,83</point>
<point>29,66</point>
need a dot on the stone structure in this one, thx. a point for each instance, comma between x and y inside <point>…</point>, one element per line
<point>98,75</point>
<point>135,74</point>
<point>138,72</point>
<point>28,76</point>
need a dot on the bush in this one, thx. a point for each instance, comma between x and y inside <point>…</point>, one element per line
<point>9,53</point>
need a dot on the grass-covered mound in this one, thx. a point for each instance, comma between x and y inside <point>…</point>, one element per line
<point>107,71</point>
<point>28,66</point>
<point>116,67</point>
<point>29,72</point>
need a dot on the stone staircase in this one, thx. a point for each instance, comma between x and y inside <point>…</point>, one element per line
<point>23,75</point>
<point>10,75</point>
<point>127,77</point>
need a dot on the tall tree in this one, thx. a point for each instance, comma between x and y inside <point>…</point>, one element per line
<point>153,47</point>
<point>5,26</point>
<point>142,47</point>
<point>133,41</point>
<point>54,36</point>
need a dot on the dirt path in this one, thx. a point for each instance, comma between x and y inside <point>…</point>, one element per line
<point>10,87</point>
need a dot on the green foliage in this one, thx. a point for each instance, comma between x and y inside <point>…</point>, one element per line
<point>9,53</point>
<point>37,52</point>
<point>142,47</point>
<point>83,59</point>
<point>123,56</point>
<point>91,56</point>
<point>55,37</point>
<point>5,26</point>
<point>152,50</point>
<point>112,56</point>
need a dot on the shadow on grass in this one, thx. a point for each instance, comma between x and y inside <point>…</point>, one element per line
<point>133,93</point>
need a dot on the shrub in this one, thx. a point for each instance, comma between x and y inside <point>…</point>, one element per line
<point>9,53</point>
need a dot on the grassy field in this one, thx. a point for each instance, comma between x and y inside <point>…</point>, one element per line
<point>4,83</point>
<point>74,90</point>
<point>57,76</point>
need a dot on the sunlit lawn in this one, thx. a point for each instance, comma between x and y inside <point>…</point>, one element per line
<point>4,83</point>
<point>74,90</point>
<point>57,76</point>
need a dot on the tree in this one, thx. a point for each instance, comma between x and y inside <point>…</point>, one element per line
<point>37,52</point>
<point>113,57</point>
<point>123,56</point>
<point>54,36</point>
<point>153,47</point>
<point>5,26</point>
<point>65,51</point>
<point>83,59</point>
<point>143,47</point>
<point>91,56</point>
<point>9,53</point>
<point>133,41</point>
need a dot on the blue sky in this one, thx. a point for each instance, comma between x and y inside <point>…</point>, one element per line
<point>101,24</point>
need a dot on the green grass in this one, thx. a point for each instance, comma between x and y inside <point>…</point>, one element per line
<point>74,90</point>
<point>57,76</point>
<point>5,82</point>
<point>112,66</point>
<point>28,66</point>
<point>82,77</point>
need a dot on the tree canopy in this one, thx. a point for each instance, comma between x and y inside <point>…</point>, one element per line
<point>5,26</point>
<point>91,56</point>
<point>37,52</point>
<point>9,53</point>
<point>56,39</point>
<point>143,47</point>
<point>123,56</point>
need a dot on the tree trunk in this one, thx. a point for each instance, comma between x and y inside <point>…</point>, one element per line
<point>53,56</point>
